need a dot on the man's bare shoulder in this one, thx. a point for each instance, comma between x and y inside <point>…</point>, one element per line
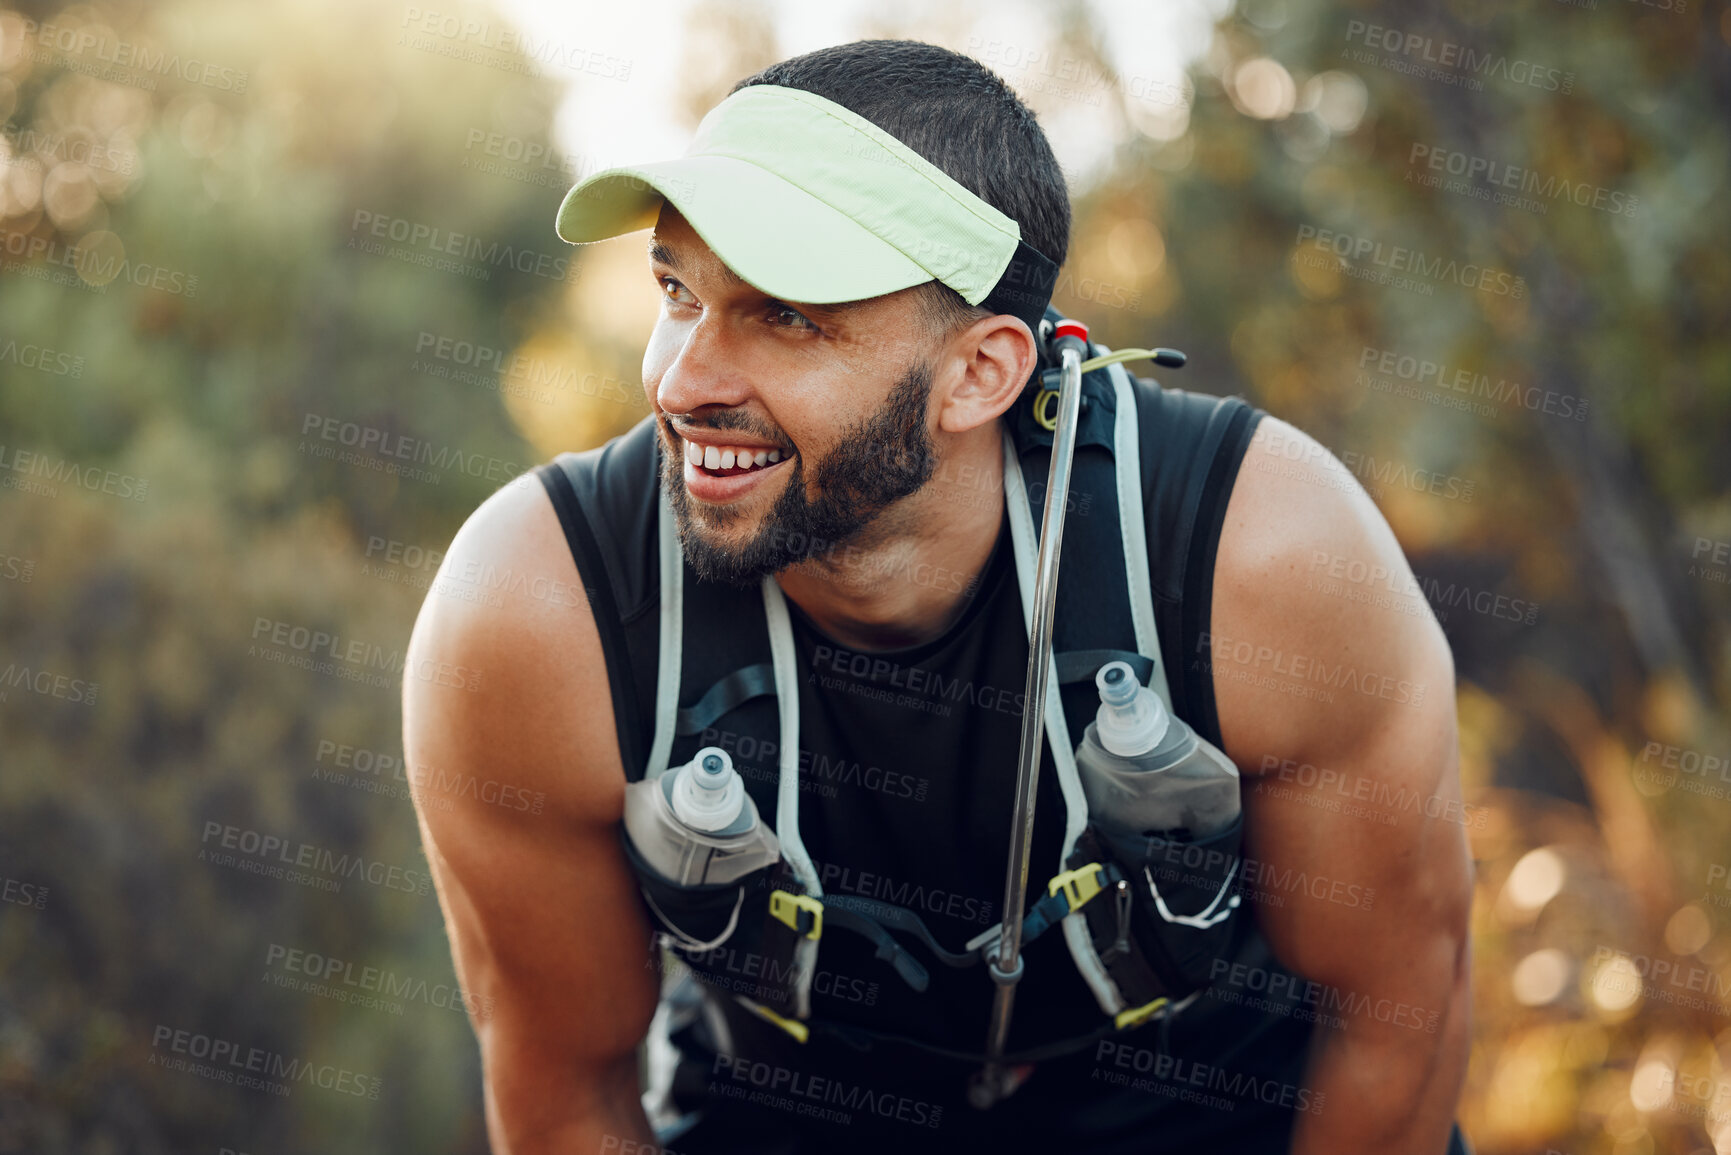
<point>519,792</point>
<point>1318,625</point>
<point>509,605</point>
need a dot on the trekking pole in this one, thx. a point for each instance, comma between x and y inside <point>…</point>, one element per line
<point>993,1083</point>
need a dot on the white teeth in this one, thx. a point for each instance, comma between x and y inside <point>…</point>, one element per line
<point>719,457</point>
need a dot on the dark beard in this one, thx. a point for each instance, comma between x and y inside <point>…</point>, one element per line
<point>876,463</point>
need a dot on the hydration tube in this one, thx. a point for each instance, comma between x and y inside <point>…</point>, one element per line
<point>993,1082</point>
<point>1171,358</point>
<point>996,1081</point>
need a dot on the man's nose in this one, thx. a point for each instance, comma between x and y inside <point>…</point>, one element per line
<point>708,369</point>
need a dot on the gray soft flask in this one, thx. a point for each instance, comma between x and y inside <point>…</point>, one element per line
<point>1144,771</point>
<point>696,825</point>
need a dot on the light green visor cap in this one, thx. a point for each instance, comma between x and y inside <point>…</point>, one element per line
<point>808,201</point>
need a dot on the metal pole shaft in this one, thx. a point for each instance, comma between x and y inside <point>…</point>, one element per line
<point>1034,717</point>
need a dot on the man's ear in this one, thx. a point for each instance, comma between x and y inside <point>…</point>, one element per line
<point>989,362</point>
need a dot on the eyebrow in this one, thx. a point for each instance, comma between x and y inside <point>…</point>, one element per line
<point>659,252</point>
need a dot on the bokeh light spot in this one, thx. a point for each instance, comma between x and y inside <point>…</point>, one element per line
<point>1540,977</point>
<point>1536,879</point>
<point>1616,984</point>
<point>1338,99</point>
<point>1650,1089</point>
<point>1688,930</point>
<point>1264,89</point>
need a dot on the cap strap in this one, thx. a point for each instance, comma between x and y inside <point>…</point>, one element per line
<point>1025,288</point>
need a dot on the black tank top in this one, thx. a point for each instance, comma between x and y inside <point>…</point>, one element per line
<point>908,765</point>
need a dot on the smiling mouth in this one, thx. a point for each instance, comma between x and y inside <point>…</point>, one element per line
<point>731,461</point>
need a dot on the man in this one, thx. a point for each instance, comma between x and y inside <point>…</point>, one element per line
<point>853,259</point>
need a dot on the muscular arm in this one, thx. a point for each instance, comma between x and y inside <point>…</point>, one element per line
<point>548,939</point>
<point>1361,790</point>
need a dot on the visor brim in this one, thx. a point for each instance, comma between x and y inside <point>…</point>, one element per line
<point>775,235</point>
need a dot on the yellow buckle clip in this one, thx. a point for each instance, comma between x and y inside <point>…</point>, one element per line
<point>1134,1015</point>
<point>1079,885</point>
<point>786,907</point>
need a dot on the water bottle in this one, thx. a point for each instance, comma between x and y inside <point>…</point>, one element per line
<point>696,825</point>
<point>1144,771</point>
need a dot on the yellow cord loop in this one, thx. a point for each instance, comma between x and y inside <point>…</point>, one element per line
<point>1046,412</point>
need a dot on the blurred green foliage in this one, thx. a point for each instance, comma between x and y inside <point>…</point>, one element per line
<point>204,395</point>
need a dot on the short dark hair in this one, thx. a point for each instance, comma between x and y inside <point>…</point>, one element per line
<point>960,116</point>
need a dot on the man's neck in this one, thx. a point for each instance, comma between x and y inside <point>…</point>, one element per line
<point>911,573</point>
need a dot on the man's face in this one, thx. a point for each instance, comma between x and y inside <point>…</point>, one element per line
<point>840,393</point>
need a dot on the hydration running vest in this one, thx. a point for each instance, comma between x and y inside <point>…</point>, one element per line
<point>1150,463</point>
<point>1142,918</point>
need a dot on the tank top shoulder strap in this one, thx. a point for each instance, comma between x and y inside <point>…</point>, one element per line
<point>1192,446</point>
<point>605,499</point>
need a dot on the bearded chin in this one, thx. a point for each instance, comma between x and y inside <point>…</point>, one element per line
<point>877,462</point>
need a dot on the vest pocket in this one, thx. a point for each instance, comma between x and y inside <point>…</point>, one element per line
<point>698,917</point>
<point>739,937</point>
<point>1159,929</point>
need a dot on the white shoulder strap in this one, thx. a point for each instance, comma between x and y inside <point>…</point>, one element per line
<point>787,782</point>
<point>1127,464</point>
<point>787,708</point>
<point>1127,467</point>
<point>672,637</point>
<point>1088,963</point>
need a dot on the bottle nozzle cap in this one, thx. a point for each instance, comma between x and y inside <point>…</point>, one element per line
<point>709,795</point>
<point>1117,684</point>
<point>1131,720</point>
